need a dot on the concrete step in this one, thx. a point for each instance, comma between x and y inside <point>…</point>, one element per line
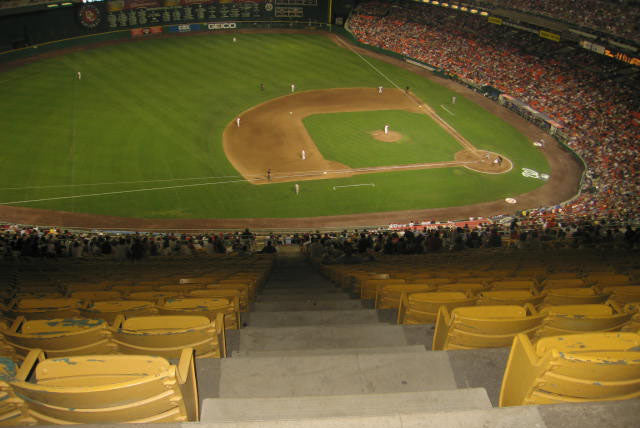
<point>306,305</point>
<point>310,291</point>
<point>301,297</point>
<point>294,376</point>
<point>323,337</point>
<point>341,351</point>
<point>303,318</point>
<point>311,407</point>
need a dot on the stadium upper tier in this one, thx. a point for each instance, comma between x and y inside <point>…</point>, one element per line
<point>593,97</point>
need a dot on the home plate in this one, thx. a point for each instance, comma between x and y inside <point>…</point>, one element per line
<point>510,201</point>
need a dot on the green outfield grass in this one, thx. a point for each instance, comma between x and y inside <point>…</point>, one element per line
<point>346,138</point>
<point>140,134</point>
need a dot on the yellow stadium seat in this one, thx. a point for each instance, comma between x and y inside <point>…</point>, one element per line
<point>86,286</point>
<point>357,279</point>
<point>572,319</point>
<point>243,289</point>
<point>483,326</point>
<point>550,284</point>
<point>422,308</point>
<point>388,296</point>
<point>109,389</point>
<point>474,287</point>
<point>574,296</point>
<point>634,323</point>
<point>251,285</point>
<point>230,318</point>
<point>182,289</point>
<point>623,294</point>
<point>45,308</point>
<point>573,368</point>
<point>209,307</point>
<point>109,310</point>
<point>509,297</point>
<point>152,295</point>
<point>515,284</point>
<point>126,289</point>
<point>368,287</point>
<point>167,335</point>
<point>13,410</point>
<point>606,279</point>
<point>60,337</point>
<point>96,296</point>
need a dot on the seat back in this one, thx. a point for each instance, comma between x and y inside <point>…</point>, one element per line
<point>60,337</point>
<point>573,368</point>
<point>483,326</point>
<point>570,319</point>
<point>243,289</point>
<point>509,297</point>
<point>167,335</point>
<point>474,287</point>
<point>574,296</point>
<point>515,284</point>
<point>46,308</point>
<point>96,296</point>
<point>109,388</point>
<point>207,306</point>
<point>549,284</point>
<point>109,310</point>
<point>388,296</point>
<point>368,287</point>
<point>422,308</point>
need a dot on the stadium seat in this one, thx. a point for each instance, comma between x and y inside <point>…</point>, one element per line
<point>473,287</point>
<point>634,323</point>
<point>243,289</point>
<point>483,326</point>
<point>126,289</point>
<point>73,287</point>
<point>109,310</point>
<point>607,279</point>
<point>514,284</point>
<point>45,308</point>
<point>368,287</point>
<point>167,335</point>
<point>550,284</point>
<point>573,368</point>
<point>60,337</point>
<point>510,297</point>
<point>209,307</point>
<point>572,319</point>
<point>182,289</point>
<point>574,296</point>
<point>96,296</point>
<point>230,294</point>
<point>422,308</point>
<point>108,389</point>
<point>152,295</point>
<point>388,296</point>
<point>13,410</point>
<point>623,294</point>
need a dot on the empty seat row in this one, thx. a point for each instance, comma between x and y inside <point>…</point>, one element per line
<point>98,389</point>
<point>209,304</point>
<point>470,327</point>
<point>164,335</point>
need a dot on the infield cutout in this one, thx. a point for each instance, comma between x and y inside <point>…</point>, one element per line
<point>272,135</point>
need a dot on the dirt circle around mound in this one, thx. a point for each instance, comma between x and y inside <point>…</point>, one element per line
<point>390,137</point>
<point>484,161</point>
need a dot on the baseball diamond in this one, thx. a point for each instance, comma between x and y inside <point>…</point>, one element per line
<point>167,151</point>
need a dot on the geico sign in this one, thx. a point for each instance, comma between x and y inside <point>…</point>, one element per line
<point>221,25</point>
<point>184,28</point>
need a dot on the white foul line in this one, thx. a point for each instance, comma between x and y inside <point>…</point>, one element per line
<point>447,110</point>
<point>370,65</point>
<point>355,185</point>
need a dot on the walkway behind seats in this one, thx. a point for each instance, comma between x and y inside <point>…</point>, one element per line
<point>311,355</point>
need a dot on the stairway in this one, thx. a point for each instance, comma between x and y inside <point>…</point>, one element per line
<point>309,352</point>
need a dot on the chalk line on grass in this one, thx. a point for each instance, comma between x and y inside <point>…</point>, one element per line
<point>447,110</point>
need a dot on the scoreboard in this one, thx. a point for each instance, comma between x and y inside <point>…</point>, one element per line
<point>133,13</point>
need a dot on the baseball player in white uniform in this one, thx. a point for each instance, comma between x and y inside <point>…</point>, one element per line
<point>79,75</point>
<point>238,122</point>
<point>453,100</point>
<point>379,89</point>
<point>293,87</point>
<point>386,129</point>
<point>297,187</point>
<point>303,155</point>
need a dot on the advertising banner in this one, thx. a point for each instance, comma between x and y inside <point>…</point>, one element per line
<point>549,35</point>
<point>145,31</point>
<point>221,25</point>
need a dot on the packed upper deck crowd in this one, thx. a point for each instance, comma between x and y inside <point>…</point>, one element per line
<point>575,87</point>
<point>621,18</point>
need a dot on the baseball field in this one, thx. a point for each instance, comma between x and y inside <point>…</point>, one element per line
<point>150,131</point>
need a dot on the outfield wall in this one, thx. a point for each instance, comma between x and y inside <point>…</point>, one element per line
<point>26,28</point>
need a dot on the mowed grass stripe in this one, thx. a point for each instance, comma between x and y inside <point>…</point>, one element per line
<point>155,109</point>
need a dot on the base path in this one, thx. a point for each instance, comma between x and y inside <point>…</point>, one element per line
<point>272,135</point>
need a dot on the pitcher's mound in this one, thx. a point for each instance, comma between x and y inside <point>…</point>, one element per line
<point>391,137</point>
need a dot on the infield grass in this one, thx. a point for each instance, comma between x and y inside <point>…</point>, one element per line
<point>140,134</point>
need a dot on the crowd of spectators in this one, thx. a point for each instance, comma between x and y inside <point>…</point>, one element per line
<point>621,18</point>
<point>579,89</point>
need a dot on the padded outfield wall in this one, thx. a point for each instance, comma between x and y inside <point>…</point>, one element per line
<point>28,27</point>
